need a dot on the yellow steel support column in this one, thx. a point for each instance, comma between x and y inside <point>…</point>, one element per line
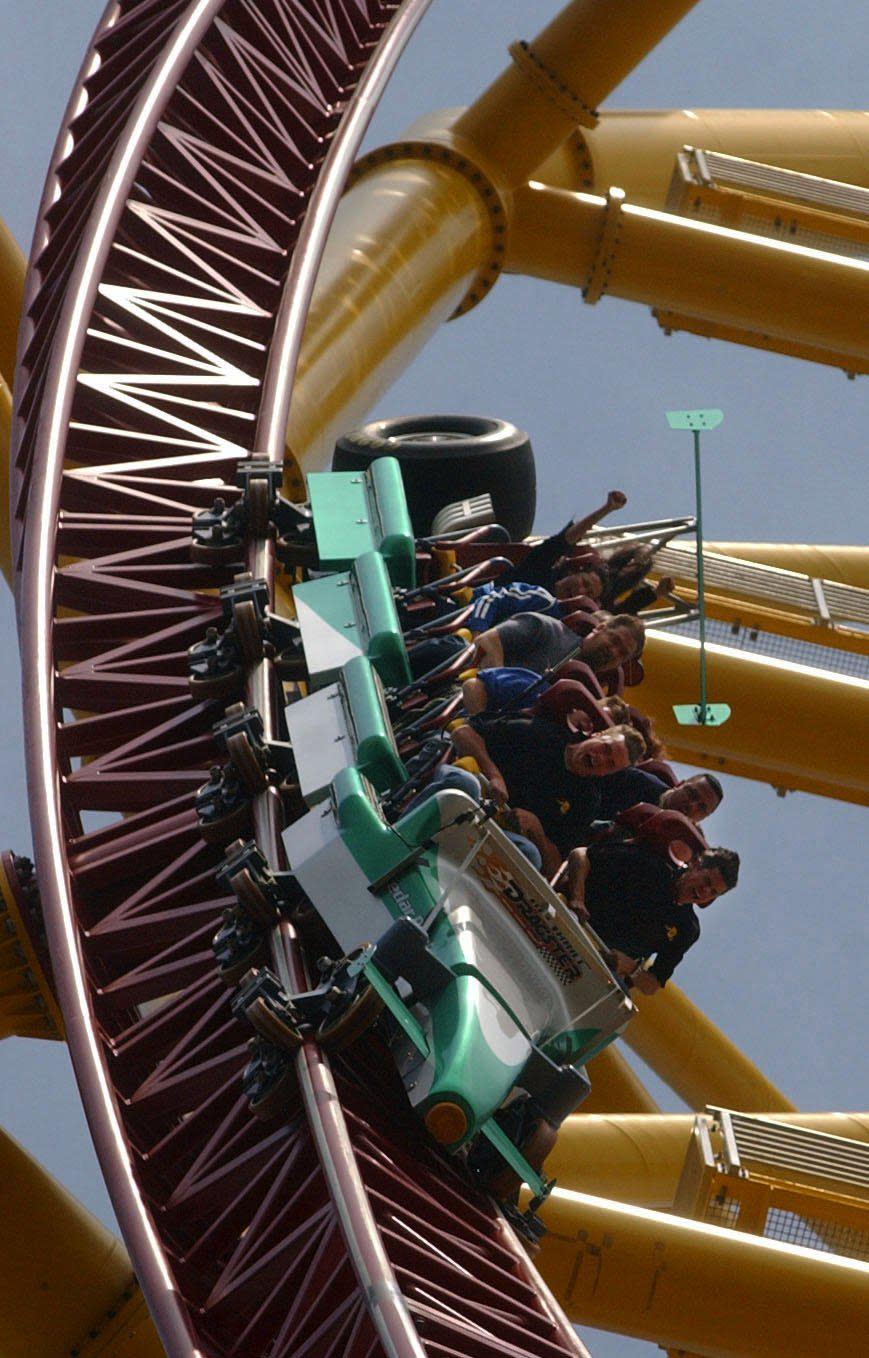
<point>405,247</point>
<point>66,1285</point>
<point>610,245</point>
<point>684,1284</point>
<point>427,221</point>
<point>636,148</point>
<point>771,699</point>
<point>12,269</point>
<point>5,435</point>
<point>614,1086</point>
<point>638,1158</point>
<point>28,1007</point>
<point>559,78</point>
<point>690,1054</point>
<point>849,565</point>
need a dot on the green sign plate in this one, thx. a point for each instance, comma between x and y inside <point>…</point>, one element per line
<point>690,714</point>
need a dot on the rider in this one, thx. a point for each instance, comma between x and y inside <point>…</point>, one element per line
<point>641,903</point>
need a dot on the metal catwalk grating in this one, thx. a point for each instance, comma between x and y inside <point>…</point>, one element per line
<point>776,647</point>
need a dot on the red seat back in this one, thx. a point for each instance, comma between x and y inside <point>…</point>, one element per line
<point>669,833</point>
<point>569,699</point>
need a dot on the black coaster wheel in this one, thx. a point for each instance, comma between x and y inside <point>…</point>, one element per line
<point>247,626</point>
<point>353,1022</point>
<point>243,756</point>
<point>450,457</point>
<point>258,506</point>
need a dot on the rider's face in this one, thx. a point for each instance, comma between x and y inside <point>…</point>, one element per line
<point>597,756</point>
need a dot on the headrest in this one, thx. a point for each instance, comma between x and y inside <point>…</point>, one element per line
<point>661,769</point>
<point>579,559</point>
<point>580,622</point>
<point>578,669</point>
<point>579,603</point>
<point>570,703</point>
<point>668,833</point>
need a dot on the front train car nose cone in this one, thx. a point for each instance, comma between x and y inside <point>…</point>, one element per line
<point>446,1122</point>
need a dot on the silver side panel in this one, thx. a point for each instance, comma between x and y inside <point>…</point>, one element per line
<point>333,880</point>
<point>321,740</point>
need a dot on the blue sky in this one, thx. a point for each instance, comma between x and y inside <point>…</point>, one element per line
<point>782,961</point>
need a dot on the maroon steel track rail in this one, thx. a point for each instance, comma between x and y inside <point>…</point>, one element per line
<point>187,206</point>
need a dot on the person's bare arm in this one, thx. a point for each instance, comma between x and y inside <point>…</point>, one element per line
<point>489,652</point>
<point>469,742</point>
<point>529,825</point>
<point>578,529</point>
<point>577,875</point>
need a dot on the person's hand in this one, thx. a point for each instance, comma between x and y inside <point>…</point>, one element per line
<point>616,499</point>
<point>498,789</point>
<point>644,981</point>
<point>665,586</point>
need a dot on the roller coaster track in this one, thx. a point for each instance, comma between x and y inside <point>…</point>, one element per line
<point>191,189</point>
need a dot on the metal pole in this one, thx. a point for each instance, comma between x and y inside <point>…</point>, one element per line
<point>701,599</point>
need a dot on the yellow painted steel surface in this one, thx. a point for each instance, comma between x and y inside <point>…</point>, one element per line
<point>611,245</point>
<point>690,1054</point>
<point>28,1007</point>
<point>62,1274</point>
<point>406,243</point>
<point>614,1086</point>
<point>560,77</point>
<point>5,432</point>
<point>638,1158</point>
<point>685,1284</point>
<point>12,268</point>
<point>636,148</point>
<point>771,699</point>
<point>831,561</point>
<point>413,234</point>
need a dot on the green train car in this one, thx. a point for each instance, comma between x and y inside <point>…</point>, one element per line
<point>490,994</point>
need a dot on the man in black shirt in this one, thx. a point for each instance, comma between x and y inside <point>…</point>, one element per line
<point>641,904</point>
<point>543,767</point>
<point>696,797</point>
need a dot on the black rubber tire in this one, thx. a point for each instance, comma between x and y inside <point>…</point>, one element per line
<point>450,457</point>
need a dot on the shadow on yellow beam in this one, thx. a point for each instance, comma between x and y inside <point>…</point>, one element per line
<point>66,1284</point>
<point>684,1284</point>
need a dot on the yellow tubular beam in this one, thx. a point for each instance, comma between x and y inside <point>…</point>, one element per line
<point>12,267</point>
<point>614,1086</point>
<point>66,1284</point>
<point>771,699</point>
<point>5,435</point>
<point>849,565</point>
<point>413,235</point>
<point>404,249</point>
<point>638,1158</point>
<point>690,1054</point>
<point>608,245</point>
<point>559,78</point>
<point>636,149</point>
<point>684,1284</point>
<point>28,1007</point>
